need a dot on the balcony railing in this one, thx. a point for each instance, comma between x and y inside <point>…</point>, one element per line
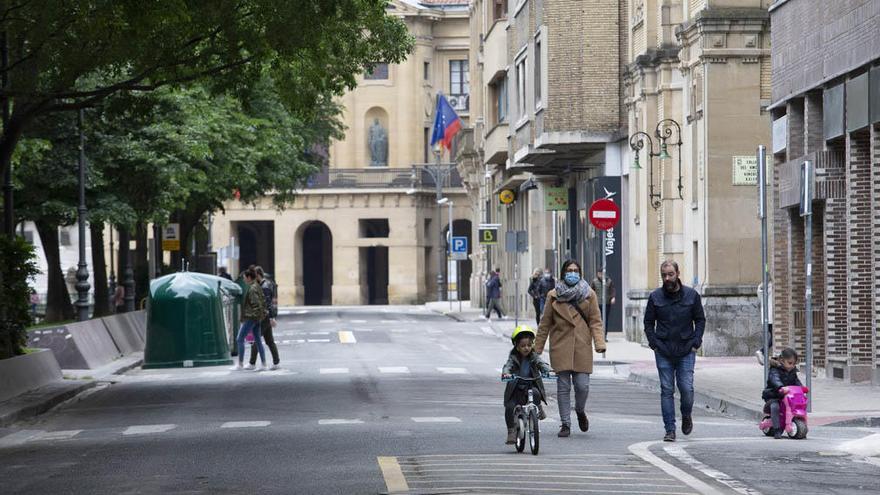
<point>380,178</point>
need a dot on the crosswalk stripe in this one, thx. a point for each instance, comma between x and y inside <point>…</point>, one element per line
<point>333,371</point>
<point>147,429</point>
<point>347,337</point>
<point>340,422</point>
<point>19,437</point>
<point>58,435</point>
<point>245,424</point>
<point>437,419</point>
<point>358,321</point>
<point>318,341</point>
<point>394,479</point>
<point>393,369</point>
<point>453,371</point>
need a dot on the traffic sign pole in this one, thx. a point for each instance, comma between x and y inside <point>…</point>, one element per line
<point>604,215</point>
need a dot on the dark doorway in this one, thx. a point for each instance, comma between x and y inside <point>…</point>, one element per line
<point>317,264</point>
<point>256,241</point>
<point>462,228</point>
<point>374,274</point>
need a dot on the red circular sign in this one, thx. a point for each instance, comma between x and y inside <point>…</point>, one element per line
<point>604,214</point>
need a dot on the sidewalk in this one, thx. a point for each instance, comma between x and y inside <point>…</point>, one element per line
<point>35,402</point>
<point>729,385</point>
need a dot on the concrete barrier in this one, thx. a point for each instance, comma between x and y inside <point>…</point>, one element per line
<point>82,345</point>
<point>124,332</point>
<point>27,372</point>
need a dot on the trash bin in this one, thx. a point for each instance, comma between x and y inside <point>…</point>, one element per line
<point>189,320</point>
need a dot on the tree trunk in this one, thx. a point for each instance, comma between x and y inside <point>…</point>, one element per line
<point>141,263</point>
<point>58,305</point>
<point>99,269</point>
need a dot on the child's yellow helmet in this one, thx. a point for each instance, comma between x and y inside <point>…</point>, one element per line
<point>522,330</point>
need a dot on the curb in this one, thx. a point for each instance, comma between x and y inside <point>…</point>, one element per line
<point>722,405</point>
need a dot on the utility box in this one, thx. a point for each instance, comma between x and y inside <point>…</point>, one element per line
<point>189,319</point>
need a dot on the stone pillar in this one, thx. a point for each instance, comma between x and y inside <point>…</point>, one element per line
<point>835,260</point>
<point>813,121</point>
<point>859,271</point>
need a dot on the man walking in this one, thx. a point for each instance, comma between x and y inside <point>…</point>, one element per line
<point>493,294</point>
<point>268,322</point>
<point>674,324</point>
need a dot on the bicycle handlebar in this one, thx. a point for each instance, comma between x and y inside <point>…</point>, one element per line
<point>526,379</point>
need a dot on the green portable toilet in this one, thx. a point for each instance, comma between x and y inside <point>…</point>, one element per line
<point>189,318</point>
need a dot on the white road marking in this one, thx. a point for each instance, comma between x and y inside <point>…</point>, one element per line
<point>19,437</point>
<point>488,331</point>
<point>642,450</point>
<point>679,453</point>
<point>358,321</point>
<point>453,371</point>
<point>388,321</point>
<point>210,374</point>
<point>399,330</point>
<point>302,312</point>
<point>393,369</point>
<point>327,321</point>
<point>245,424</point>
<point>333,371</point>
<point>347,337</point>
<point>57,435</point>
<point>437,419</point>
<point>340,422</point>
<point>318,341</point>
<point>319,333</point>
<point>147,429</point>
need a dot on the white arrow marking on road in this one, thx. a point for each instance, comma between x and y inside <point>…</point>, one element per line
<point>642,450</point>
<point>333,371</point>
<point>147,429</point>
<point>245,424</point>
<point>453,371</point>
<point>679,453</point>
<point>393,369</point>
<point>437,419</point>
<point>346,337</point>
<point>340,422</point>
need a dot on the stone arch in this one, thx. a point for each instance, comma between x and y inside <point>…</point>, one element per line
<point>314,259</point>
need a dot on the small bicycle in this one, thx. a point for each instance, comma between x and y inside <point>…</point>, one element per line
<point>526,417</point>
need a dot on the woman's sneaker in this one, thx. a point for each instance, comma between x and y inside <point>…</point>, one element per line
<point>564,431</point>
<point>511,436</point>
<point>249,367</point>
<point>275,367</point>
<point>237,367</point>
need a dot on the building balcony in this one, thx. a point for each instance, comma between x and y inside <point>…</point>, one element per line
<point>495,52</point>
<point>495,146</point>
<point>380,178</point>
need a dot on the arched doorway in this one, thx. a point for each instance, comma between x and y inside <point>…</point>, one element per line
<point>317,264</point>
<point>256,240</point>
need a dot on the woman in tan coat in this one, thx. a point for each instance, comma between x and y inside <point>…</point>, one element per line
<point>573,324</point>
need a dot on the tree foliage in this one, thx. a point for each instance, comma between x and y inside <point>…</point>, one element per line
<point>15,293</point>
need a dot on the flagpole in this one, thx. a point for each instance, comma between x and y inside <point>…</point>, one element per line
<point>438,185</point>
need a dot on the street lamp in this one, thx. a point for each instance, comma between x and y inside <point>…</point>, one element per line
<point>666,125</point>
<point>663,131</point>
<point>449,235</point>
<point>439,173</point>
<point>82,272</point>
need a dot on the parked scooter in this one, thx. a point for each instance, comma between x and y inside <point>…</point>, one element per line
<point>792,413</point>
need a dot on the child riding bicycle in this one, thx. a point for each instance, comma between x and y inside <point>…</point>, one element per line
<point>522,362</point>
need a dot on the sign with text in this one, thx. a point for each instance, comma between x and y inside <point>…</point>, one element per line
<point>555,199</point>
<point>458,249</point>
<point>745,171</point>
<point>488,233</point>
<point>171,237</point>
<point>604,214</point>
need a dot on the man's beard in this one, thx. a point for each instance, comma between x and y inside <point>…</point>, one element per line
<point>670,286</point>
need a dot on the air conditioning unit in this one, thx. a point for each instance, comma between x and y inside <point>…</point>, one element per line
<point>459,102</point>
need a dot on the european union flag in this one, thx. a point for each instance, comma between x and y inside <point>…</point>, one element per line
<point>446,123</point>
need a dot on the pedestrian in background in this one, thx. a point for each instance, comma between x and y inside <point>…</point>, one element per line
<point>253,311</point>
<point>221,272</point>
<point>534,292</point>
<point>606,297</point>
<point>493,294</point>
<point>268,323</point>
<point>119,298</point>
<point>573,325</point>
<point>674,324</point>
<point>761,354</point>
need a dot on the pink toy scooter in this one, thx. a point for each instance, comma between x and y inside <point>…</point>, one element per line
<point>792,414</point>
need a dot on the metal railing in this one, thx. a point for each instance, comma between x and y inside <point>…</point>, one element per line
<point>371,178</point>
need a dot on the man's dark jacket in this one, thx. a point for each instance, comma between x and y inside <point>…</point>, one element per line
<point>493,287</point>
<point>778,378</point>
<point>674,321</point>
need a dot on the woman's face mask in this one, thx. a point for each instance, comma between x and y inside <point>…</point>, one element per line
<point>572,278</point>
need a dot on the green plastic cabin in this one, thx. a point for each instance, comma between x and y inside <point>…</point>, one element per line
<point>191,319</point>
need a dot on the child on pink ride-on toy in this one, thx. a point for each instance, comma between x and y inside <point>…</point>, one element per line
<point>781,382</point>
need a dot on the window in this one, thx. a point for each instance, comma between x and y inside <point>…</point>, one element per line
<point>521,88</point>
<point>379,72</point>
<point>537,72</point>
<point>373,227</point>
<point>498,90</point>
<point>499,9</point>
<point>459,84</point>
<point>427,137</point>
<point>426,69</point>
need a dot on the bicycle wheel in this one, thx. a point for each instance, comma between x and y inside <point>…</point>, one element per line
<point>521,428</point>
<point>534,433</point>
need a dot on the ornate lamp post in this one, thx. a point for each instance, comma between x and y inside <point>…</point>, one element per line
<point>663,131</point>
<point>636,143</point>
<point>82,272</point>
<point>440,173</point>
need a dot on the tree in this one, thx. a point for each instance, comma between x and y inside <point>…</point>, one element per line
<point>15,294</point>
<point>311,48</point>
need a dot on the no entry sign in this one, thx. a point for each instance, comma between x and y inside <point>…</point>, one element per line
<point>604,214</point>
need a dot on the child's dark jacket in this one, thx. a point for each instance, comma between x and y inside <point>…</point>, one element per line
<point>778,378</point>
<point>512,367</point>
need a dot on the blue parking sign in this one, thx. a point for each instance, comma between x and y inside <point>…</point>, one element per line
<point>459,248</point>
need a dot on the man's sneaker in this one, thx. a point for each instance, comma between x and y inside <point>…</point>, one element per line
<point>511,436</point>
<point>249,367</point>
<point>669,437</point>
<point>564,431</point>
<point>275,366</point>
<point>262,368</point>
<point>759,355</point>
<point>583,422</point>
<point>237,367</point>
<point>687,425</point>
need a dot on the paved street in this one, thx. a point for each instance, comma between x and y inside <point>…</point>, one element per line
<point>393,398</point>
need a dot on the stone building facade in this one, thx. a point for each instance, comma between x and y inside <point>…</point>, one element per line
<point>698,74</point>
<point>826,109</point>
<point>547,120</point>
<point>367,229</point>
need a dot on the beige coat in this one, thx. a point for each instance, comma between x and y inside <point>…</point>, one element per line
<point>571,338</point>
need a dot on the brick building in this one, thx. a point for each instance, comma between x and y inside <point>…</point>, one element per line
<point>826,108</point>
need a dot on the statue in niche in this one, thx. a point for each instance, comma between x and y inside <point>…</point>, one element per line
<point>378,141</point>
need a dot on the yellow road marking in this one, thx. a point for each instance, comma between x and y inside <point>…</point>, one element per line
<point>347,337</point>
<point>394,479</point>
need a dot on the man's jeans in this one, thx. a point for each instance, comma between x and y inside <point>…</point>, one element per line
<point>674,371</point>
<point>494,303</point>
